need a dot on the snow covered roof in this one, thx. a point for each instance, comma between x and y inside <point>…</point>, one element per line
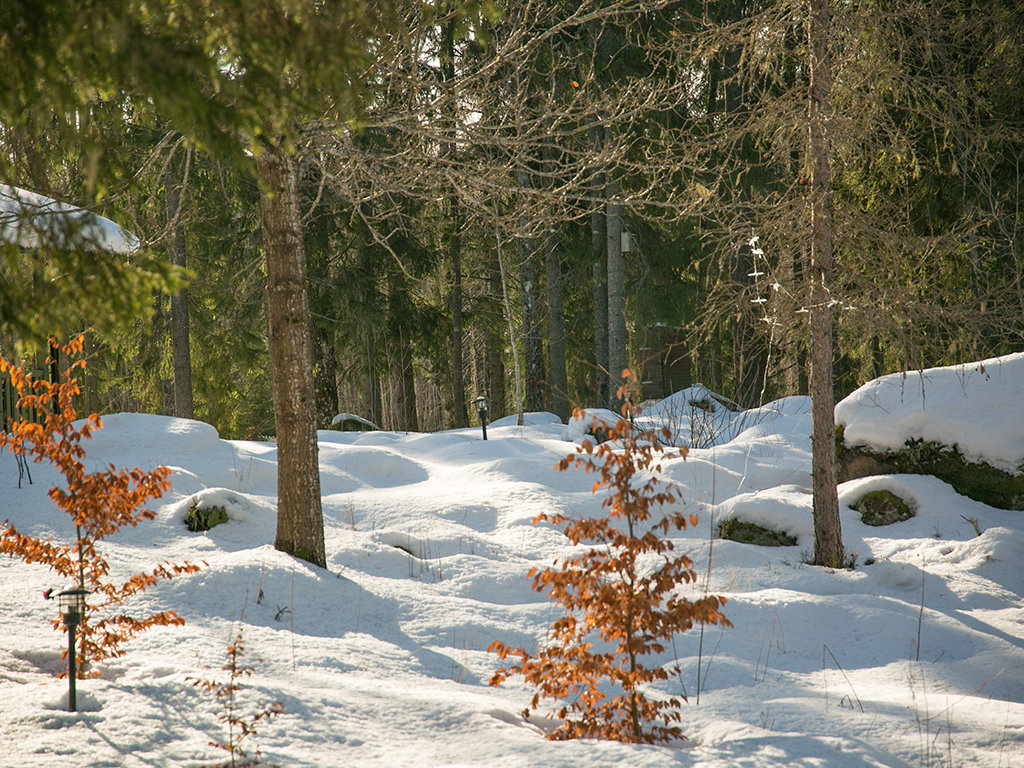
<point>32,220</point>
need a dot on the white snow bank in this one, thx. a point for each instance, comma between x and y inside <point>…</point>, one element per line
<point>975,406</point>
<point>534,418</point>
<point>587,420</point>
<point>380,660</point>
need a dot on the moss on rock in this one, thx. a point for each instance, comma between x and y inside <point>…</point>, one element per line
<point>882,508</point>
<point>204,518</point>
<point>975,480</point>
<point>752,533</point>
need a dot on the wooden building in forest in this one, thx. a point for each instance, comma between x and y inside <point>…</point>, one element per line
<point>664,362</point>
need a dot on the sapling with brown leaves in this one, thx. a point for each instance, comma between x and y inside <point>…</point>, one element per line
<point>240,726</point>
<point>619,609</point>
<point>98,503</point>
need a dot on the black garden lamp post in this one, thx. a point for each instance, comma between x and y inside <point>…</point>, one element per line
<point>481,404</point>
<point>72,609</point>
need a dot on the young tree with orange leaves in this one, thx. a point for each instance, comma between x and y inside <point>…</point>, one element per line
<point>98,503</point>
<point>619,609</point>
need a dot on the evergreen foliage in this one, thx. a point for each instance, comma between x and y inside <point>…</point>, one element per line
<point>505,127</point>
<point>204,518</point>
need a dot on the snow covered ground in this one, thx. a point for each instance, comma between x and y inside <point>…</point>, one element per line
<point>916,659</point>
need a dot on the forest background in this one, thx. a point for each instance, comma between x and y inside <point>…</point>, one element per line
<point>513,198</point>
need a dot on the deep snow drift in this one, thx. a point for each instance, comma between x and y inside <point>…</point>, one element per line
<point>914,659</point>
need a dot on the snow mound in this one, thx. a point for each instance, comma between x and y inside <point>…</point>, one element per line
<point>975,406</point>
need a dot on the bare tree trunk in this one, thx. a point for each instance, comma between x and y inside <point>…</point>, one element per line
<point>373,385</point>
<point>181,360</point>
<point>407,388</point>
<point>373,395</point>
<point>300,527</point>
<point>533,399</point>
<point>794,344</point>
<point>325,376</point>
<point>556,329</point>
<point>512,340</point>
<point>597,137</point>
<point>599,284</point>
<point>495,366</point>
<point>401,356</point>
<point>91,388</point>
<point>454,224</point>
<point>458,381</point>
<point>533,352</point>
<point>616,297</point>
<point>748,353</point>
<point>828,543</point>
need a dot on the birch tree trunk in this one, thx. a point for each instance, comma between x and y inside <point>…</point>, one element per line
<point>300,528</point>
<point>828,543</point>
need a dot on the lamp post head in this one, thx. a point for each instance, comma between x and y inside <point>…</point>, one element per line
<point>72,604</point>
<point>72,609</point>
<point>481,404</point>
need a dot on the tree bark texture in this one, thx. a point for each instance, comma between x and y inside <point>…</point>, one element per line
<point>373,395</point>
<point>598,136</point>
<point>556,329</point>
<point>600,290</point>
<point>828,543</point>
<point>512,340</point>
<point>558,378</point>
<point>325,371</point>
<point>181,358</point>
<point>599,284</point>
<point>533,352</point>
<point>616,297</point>
<point>454,235</point>
<point>748,352</point>
<point>401,356</point>
<point>300,529</point>
<point>458,337</point>
<point>494,343</point>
